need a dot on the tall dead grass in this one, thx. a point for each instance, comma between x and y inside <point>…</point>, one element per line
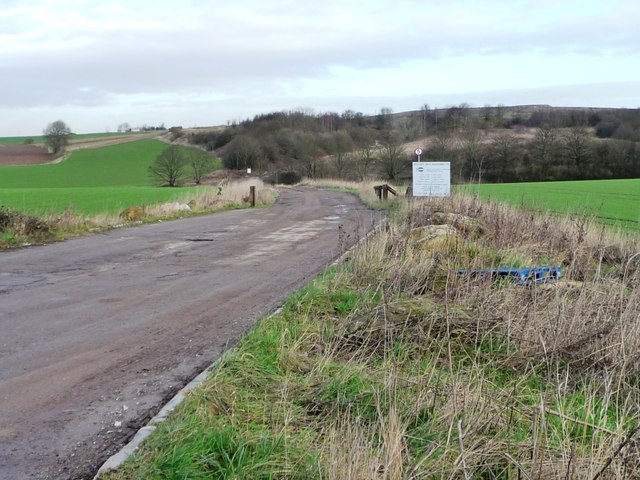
<point>571,346</point>
<point>364,189</point>
<point>234,194</point>
<point>228,194</point>
<point>398,366</point>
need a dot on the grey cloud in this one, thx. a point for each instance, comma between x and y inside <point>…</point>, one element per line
<point>240,50</point>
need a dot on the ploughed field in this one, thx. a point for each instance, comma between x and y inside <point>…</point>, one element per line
<point>23,154</point>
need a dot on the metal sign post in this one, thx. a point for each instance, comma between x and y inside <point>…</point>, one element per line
<point>418,153</point>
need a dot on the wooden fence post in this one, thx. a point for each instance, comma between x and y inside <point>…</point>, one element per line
<point>382,191</point>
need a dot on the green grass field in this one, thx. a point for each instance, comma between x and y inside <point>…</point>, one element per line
<point>615,202</point>
<point>91,181</point>
<point>87,200</point>
<point>118,165</point>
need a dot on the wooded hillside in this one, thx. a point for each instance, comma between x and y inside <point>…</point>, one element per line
<point>488,144</point>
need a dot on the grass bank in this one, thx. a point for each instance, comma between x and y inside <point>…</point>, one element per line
<point>113,207</point>
<point>395,366</point>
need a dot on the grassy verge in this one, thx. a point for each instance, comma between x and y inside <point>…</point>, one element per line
<point>395,366</point>
<point>115,207</point>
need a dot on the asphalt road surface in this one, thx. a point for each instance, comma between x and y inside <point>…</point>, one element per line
<point>97,333</point>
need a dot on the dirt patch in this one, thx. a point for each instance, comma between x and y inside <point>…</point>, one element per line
<point>23,154</point>
<point>98,142</point>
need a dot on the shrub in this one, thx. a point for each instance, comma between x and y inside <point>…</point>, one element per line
<point>16,223</point>
<point>6,219</point>
<point>224,137</point>
<point>606,129</point>
<point>289,178</point>
<point>35,227</point>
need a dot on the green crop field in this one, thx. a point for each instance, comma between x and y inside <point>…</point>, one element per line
<point>615,202</point>
<point>87,200</point>
<point>101,180</point>
<point>117,165</point>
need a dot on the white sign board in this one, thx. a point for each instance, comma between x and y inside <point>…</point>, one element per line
<point>431,179</point>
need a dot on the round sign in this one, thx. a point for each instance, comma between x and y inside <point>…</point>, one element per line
<point>418,151</point>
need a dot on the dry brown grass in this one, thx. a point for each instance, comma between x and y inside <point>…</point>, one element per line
<point>583,332</point>
<point>227,194</point>
<point>430,374</point>
<point>589,318</point>
<point>364,189</point>
<point>69,224</point>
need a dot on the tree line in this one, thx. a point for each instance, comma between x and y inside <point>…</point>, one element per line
<point>346,145</point>
<point>488,144</point>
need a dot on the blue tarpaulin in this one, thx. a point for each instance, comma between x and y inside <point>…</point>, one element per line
<point>520,276</point>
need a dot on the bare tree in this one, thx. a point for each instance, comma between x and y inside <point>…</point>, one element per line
<point>392,159</point>
<point>169,167</point>
<point>365,158</point>
<point>503,149</point>
<point>406,129</point>
<point>544,144</point>
<point>544,148</point>
<point>442,146</point>
<point>57,136</point>
<point>201,164</point>
<point>473,152</point>
<point>487,113</point>
<point>306,151</point>
<point>342,159</point>
<point>384,119</point>
<point>424,117</point>
<point>341,163</point>
<point>575,144</point>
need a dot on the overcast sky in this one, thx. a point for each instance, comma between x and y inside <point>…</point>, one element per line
<point>96,64</point>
